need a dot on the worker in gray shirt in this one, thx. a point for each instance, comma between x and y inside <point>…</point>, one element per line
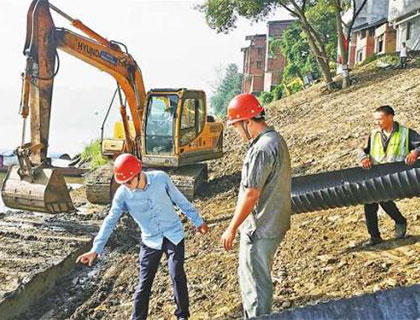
<point>263,209</point>
<point>389,142</point>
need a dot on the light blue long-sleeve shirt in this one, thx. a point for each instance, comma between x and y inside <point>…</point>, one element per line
<point>153,210</point>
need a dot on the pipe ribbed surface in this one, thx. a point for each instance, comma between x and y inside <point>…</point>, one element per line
<point>349,187</point>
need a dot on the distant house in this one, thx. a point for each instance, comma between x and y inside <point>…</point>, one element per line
<point>368,39</point>
<point>382,26</point>
<point>263,63</point>
<point>254,64</point>
<point>404,16</point>
<point>371,32</point>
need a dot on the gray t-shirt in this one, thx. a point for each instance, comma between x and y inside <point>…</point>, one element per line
<point>267,168</point>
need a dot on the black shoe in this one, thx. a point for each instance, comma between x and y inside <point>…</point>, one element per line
<point>400,230</point>
<point>372,242</point>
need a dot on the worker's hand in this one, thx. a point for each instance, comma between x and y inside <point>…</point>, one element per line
<point>411,158</point>
<point>87,258</point>
<point>203,229</point>
<point>227,238</point>
<point>366,163</point>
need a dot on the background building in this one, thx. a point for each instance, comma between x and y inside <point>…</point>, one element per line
<point>404,16</point>
<point>254,64</point>
<point>275,61</point>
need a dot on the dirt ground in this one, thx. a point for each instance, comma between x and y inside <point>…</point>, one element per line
<point>320,259</point>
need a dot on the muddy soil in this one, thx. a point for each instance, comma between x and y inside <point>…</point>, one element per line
<point>320,258</point>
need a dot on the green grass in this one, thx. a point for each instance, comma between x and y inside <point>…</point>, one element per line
<point>92,154</point>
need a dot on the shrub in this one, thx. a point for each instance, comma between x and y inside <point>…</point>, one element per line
<point>92,154</point>
<point>277,92</point>
<point>265,97</point>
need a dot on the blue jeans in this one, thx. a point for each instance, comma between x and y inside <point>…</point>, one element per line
<point>255,264</point>
<point>149,263</point>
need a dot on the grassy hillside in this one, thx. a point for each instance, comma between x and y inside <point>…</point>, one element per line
<point>320,258</point>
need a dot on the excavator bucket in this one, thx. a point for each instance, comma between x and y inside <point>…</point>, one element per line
<point>47,192</point>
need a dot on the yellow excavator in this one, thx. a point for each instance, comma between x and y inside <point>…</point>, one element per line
<point>170,127</point>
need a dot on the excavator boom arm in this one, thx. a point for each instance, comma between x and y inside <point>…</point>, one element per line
<point>42,41</point>
<point>33,185</point>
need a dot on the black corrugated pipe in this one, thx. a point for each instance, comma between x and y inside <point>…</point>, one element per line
<point>349,187</point>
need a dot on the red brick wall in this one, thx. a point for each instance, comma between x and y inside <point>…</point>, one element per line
<point>254,64</point>
<point>390,40</point>
<point>258,83</point>
<point>353,45</point>
<point>275,65</point>
<point>278,62</point>
<point>370,45</point>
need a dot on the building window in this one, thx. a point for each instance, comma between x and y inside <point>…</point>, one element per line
<point>259,64</point>
<point>362,34</point>
<point>359,55</point>
<point>260,51</point>
<point>371,32</point>
<point>408,34</point>
<point>192,119</point>
<point>380,44</point>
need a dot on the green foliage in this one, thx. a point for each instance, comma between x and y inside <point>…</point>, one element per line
<point>296,86</point>
<point>321,17</point>
<point>391,58</point>
<point>373,57</point>
<point>221,15</point>
<point>265,97</point>
<point>92,154</point>
<point>294,44</point>
<point>228,87</point>
<point>417,62</point>
<point>316,15</point>
<point>278,92</point>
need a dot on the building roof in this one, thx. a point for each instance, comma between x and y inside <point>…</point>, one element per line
<point>365,26</point>
<point>281,21</point>
<point>250,37</point>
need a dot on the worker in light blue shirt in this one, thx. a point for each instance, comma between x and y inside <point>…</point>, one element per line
<point>149,197</point>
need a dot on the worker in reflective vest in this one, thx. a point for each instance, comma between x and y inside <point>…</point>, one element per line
<point>391,142</point>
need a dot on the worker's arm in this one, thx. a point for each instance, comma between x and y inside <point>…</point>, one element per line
<point>413,146</point>
<point>243,208</point>
<point>186,207</point>
<point>108,225</point>
<point>364,157</point>
<point>258,168</point>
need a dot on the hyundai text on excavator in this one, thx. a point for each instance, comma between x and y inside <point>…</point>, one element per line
<point>171,128</point>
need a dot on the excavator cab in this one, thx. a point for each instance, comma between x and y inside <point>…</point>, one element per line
<point>177,130</point>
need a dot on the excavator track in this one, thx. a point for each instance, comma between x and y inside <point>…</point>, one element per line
<point>98,183</point>
<point>189,178</point>
<point>100,186</point>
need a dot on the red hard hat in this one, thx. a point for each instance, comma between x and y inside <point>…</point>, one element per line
<point>243,107</point>
<point>126,167</point>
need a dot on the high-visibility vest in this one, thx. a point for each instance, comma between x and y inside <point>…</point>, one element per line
<point>396,150</point>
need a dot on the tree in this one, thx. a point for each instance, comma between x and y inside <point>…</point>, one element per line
<point>295,47</point>
<point>222,15</point>
<point>226,89</point>
<point>341,6</point>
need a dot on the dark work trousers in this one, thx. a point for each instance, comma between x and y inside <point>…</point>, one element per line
<point>403,62</point>
<point>149,262</point>
<point>371,214</point>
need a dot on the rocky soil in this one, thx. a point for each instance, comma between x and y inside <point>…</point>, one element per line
<point>320,258</point>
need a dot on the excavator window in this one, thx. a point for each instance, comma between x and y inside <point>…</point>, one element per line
<point>160,124</point>
<point>193,119</point>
